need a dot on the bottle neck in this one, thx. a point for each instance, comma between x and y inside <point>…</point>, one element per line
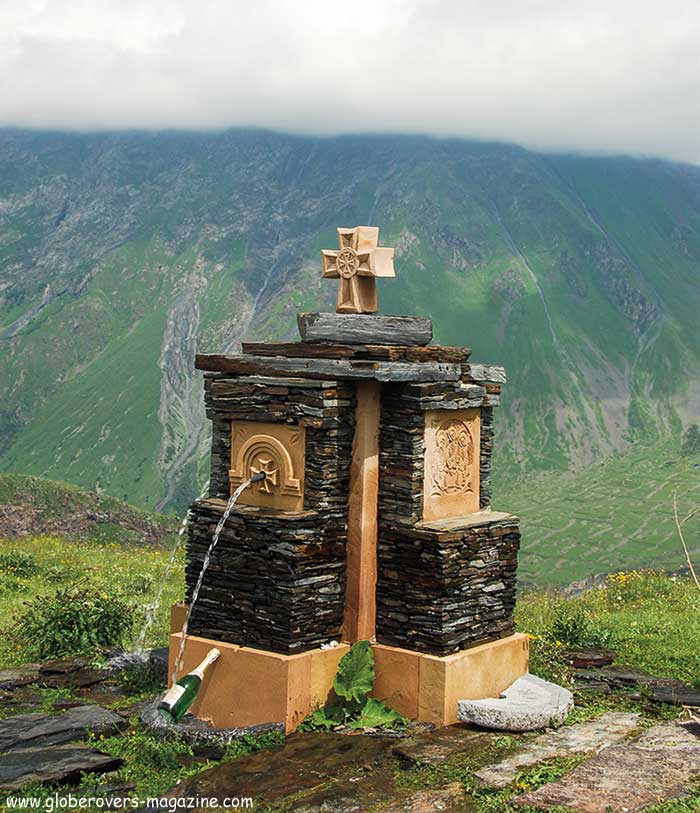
<point>199,671</point>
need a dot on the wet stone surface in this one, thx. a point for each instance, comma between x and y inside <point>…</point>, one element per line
<point>304,762</point>
<point>440,746</point>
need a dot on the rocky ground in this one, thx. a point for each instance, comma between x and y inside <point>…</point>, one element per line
<point>629,744</point>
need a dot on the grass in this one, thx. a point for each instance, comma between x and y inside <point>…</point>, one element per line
<point>650,619</point>
<point>134,572</point>
<point>151,767</point>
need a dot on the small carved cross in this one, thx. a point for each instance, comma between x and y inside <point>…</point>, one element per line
<point>357,263</point>
<point>267,465</point>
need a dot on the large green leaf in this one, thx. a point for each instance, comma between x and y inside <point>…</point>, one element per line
<point>355,677</point>
<point>376,715</point>
<point>324,719</point>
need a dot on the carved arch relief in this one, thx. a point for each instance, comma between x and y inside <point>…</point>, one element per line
<point>452,463</point>
<point>278,450</point>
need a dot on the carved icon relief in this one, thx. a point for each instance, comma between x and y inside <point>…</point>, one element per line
<point>452,469</point>
<point>277,450</point>
<point>452,450</point>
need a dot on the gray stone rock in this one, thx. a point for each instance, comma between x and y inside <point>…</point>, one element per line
<point>590,736</point>
<point>437,747</point>
<point>528,704</point>
<point>676,695</point>
<point>61,763</point>
<point>19,676</point>
<point>365,328</point>
<point>662,764</point>
<point>158,661</point>
<point>40,730</point>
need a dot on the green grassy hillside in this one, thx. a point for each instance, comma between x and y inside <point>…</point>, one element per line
<point>613,515</point>
<point>123,254</point>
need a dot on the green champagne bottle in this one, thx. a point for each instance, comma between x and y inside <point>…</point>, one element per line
<point>180,697</point>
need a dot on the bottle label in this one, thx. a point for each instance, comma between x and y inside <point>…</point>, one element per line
<point>173,694</point>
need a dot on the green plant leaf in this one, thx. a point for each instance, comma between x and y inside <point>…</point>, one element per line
<point>324,719</point>
<point>355,677</point>
<point>376,715</point>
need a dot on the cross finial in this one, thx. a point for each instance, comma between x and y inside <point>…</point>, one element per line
<point>357,263</point>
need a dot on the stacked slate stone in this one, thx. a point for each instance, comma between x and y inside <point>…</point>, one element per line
<point>440,591</point>
<point>276,579</point>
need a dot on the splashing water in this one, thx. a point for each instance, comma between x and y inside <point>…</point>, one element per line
<point>138,655</point>
<point>156,601</point>
<point>207,558</point>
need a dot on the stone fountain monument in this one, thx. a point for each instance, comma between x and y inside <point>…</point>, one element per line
<point>373,521</point>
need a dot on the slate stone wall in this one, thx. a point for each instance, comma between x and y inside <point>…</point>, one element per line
<point>275,581</point>
<point>440,592</point>
<point>486,444</point>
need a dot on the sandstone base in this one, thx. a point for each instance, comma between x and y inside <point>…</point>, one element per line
<point>252,686</point>
<point>427,688</point>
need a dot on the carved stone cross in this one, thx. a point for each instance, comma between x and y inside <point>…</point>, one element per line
<point>357,263</point>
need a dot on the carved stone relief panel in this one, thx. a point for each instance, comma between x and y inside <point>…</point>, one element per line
<point>278,450</point>
<point>451,484</point>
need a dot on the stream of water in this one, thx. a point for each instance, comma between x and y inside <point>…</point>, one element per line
<point>138,655</point>
<point>205,564</point>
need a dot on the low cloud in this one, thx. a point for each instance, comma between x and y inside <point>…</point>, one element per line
<point>616,77</point>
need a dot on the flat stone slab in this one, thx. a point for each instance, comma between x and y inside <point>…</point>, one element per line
<point>76,672</point>
<point>661,689</point>
<point>436,747</point>
<point>19,676</point>
<point>528,704</point>
<point>676,695</point>
<point>40,730</point>
<point>662,764</point>
<point>589,658</point>
<point>60,763</point>
<point>331,369</point>
<point>582,738</point>
<point>364,328</point>
<point>306,761</point>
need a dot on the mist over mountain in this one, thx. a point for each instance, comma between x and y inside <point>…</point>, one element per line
<point>121,254</point>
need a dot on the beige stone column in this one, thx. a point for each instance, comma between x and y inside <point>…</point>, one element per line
<point>361,584</point>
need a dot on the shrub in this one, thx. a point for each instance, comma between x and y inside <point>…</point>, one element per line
<point>15,562</point>
<point>77,620</point>
<point>573,627</point>
<point>690,444</point>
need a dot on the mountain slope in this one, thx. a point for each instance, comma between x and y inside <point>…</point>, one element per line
<point>120,254</point>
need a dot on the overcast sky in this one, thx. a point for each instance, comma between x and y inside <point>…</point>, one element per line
<point>587,75</point>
